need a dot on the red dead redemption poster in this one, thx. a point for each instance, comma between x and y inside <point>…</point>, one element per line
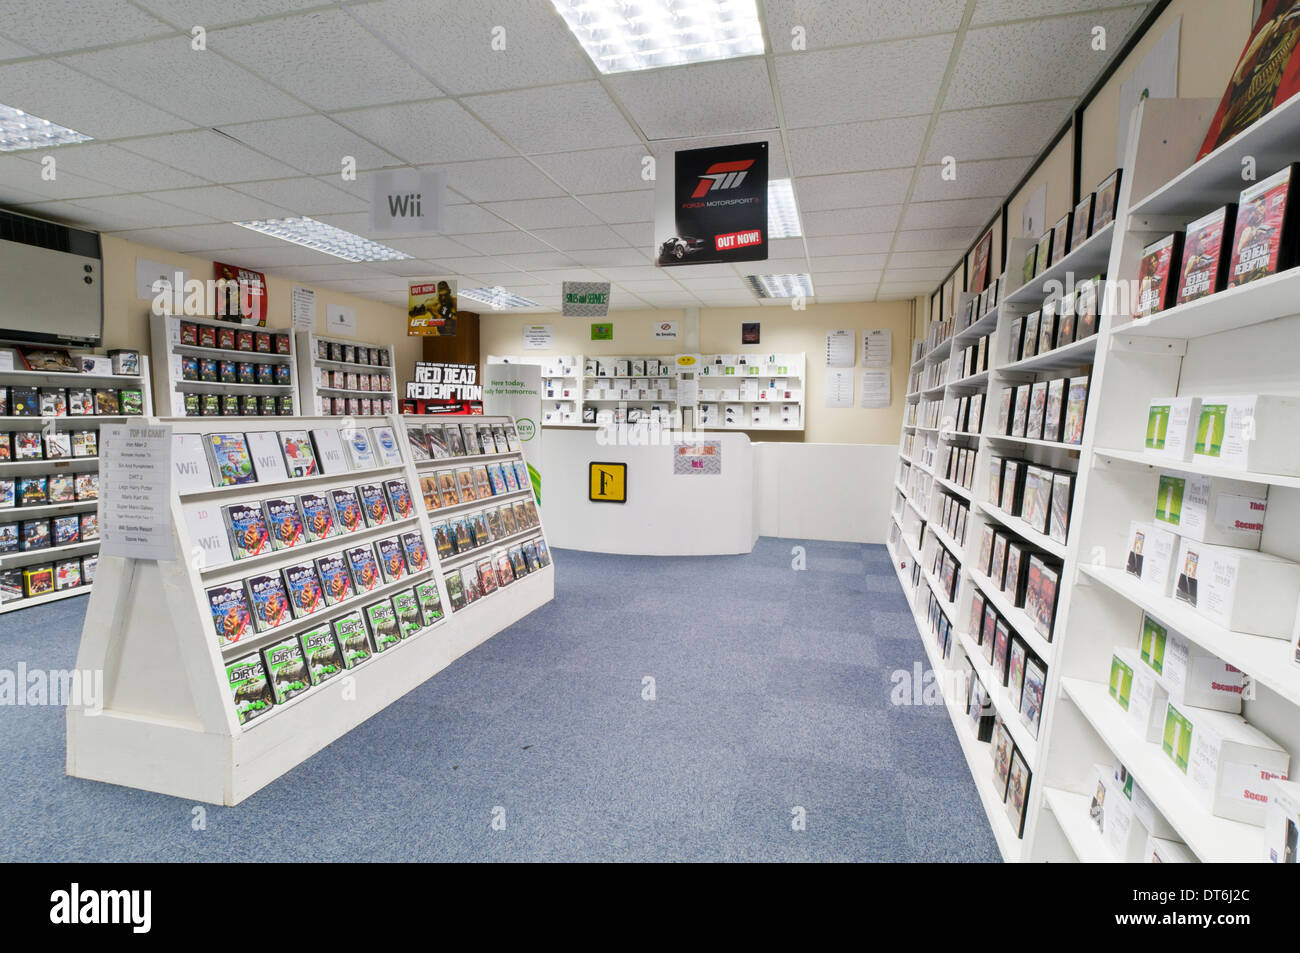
<point>241,294</point>
<point>715,207</point>
<point>1267,75</point>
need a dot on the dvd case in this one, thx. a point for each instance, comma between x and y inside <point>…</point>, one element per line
<point>303,585</point>
<point>1204,269</point>
<point>1264,235</point>
<point>283,522</point>
<point>321,650</point>
<point>1156,271</point>
<point>1075,405</point>
<point>229,459</point>
<point>246,525</point>
<point>267,601</point>
<point>336,580</point>
<point>249,688</point>
<point>407,609</point>
<point>231,617</point>
<point>350,631</point>
<point>365,569</point>
<point>287,669</point>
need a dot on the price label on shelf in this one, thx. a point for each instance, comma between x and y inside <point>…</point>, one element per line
<point>135,484</point>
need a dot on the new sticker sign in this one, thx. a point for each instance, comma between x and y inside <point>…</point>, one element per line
<point>714,209</point>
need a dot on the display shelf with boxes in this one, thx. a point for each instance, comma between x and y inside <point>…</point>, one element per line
<point>561,383</point>
<point>301,554</point>
<point>339,377</point>
<point>747,391</point>
<point>1185,531</point>
<point>208,368</point>
<point>50,422</point>
<point>630,389</point>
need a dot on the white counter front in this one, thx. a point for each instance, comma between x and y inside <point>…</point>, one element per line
<point>666,514</point>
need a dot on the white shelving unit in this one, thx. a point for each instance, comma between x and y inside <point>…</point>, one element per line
<point>610,397</point>
<point>324,376</point>
<point>1243,340</point>
<point>171,354</point>
<point>169,723</point>
<point>15,469</point>
<point>776,383</point>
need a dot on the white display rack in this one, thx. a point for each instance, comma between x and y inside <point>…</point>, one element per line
<point>171,353</point>
<point>750,391</point>
<point>561,382</point>
<point>16,469</point>
<point>611,397</point>
<point>1242,340</point>
<point>169,723</point>
<point>325,376</point>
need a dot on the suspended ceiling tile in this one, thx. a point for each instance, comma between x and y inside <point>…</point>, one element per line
<point>997,131</point>
<point>325,58</point>
<point>214,13</point>
<point>930,239</point>
<point>202,87</point>
<point>313,144</point>
<point>988,11</point>
<point>950,214</point>
<point>578,238</point>
<point>841,22</point>
<point>992,178</point>
<point>222,204</point>
<point>494,180</point>
<point>857,147</point>
<point>54,26</point>
<point>852,189</point>
<point>728,96</point>
<point>777,165</point>
<point>427,246</point>
<point>854,221</point>
<point>304,195</point>
<point>883,81</point>
<point>54,91</point>
<point>210,156</point>
<point>620,207</point>
<point>543,213</point>
<point>554,118</point>
<point>824,261</point>
<point>125,170</point>
<point>471,220</point>
<point>924,259</point>
<point>420,133</point>
<point>504,243</point>
<point>137,211</point>
<point>530,261</point>
<point>481,46</point>
<point>619,169</point>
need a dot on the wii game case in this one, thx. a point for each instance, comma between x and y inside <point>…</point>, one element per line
<point>317,517</point>
<point>400,504</point>
<point>287,669</point>
<point>426,593</point>
<point>1076,403</point>
<point>384,442</point>
<point>336,580</point>
<point>392,562</point>
<point>455,591</point>
<point>364,567</point>
<point>247,529</point>
<point>283,522</point>
<point>1204,268</point>
<point>90,526</point>
<point>229,459</point>
<point>8,537</point>
<point>356,448</point>
<point>250,689</point>
<point>374,505</point>
<point>407,610</point>
<point>350,632</point>
<point>299,456</point>
<point>413,548</point>
<point>328,450</point>
<point>517,561</point>
<point>347,510</point>
<point>267,601</point>
<point>1018,792</point>
<point>1054,409</point>
<point>232,619</point>
<point>321,652</point>
<point>304,589</point>
<point>1107,201</point>
<point>1041,587</point>
<point>1264,235</point>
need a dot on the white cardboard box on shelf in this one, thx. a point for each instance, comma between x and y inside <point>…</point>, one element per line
<point>1225,512</point>
<point>1250,432</point>
<point>1228,763</point>
<point>1120,830</point>
<point>1138,692</point>
<point>1148,815</point>
<point>1162,850</point>
<point>1171,427</point>
<point>1239,589</point>
<point>1152,554</point>
<point>1282,823</point>
<point>1191,675</point>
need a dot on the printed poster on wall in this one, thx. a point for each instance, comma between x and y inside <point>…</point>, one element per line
<point>839,348</point>
<point>602,332</point>
<point>714,206</point>
<point>666,331</point>
<point>584,299</point>
<point>431,308</point>
<point>243,293</point>
<point>702,458</point>
<point>515,390</point>
<point>538,337</point>
<point>303,309</point>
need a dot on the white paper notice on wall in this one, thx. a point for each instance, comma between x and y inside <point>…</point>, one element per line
<point>666,331</point>
<point>688,392</point>
<point>148,275</point>
<point>135,484</point>
<point>875,387</point>
<point>304,308</point>
<point>341,320</point>
<point>877,347</point>
<point>839,348</point>
<point>839,388</point>
<point>539,337</point>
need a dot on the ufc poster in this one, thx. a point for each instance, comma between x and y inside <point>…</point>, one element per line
<point>714,208</point>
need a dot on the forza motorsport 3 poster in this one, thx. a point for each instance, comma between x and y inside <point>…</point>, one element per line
<point>714,207</point>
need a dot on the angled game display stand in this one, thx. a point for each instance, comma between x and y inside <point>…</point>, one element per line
<point>1067,468</point>
<point>223,673</point>
<point>207,368</point>
<point>49,491</point>
<point>345,378</point>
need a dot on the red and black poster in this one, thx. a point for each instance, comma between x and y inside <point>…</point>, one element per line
<point>241,294</point>
<point>1267,74</point>
<point>715,207</point>
<point>980,273</point>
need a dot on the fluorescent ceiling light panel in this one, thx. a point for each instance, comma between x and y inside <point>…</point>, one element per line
<point>782,216</point>
<point>780,286</point>
<point>325,238</point>
<point>20,130</point>
<point>625,35</point>
<point>496,298</point>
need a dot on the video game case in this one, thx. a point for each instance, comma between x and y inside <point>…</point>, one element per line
<point>1076,403</point>
<point>321,652</point>
<point>505,570</point>
<point>1081,225</point>
<point>1003,748</point>
<point>392,562</point>
<point>1037,410</point>
<point>384,443</point>
<point>247,529</point>
<point>299,454</point>
<point>1157,270</point>
<point>335,577</point>
<point>303,585</point>
<point>417,555</point>
<point>1031,696</point>
<point>407,609</point>
<point>1016,670</point>
<point>1106,204</point>
<point>317,517</point>
<point>357,449</point>
<point>455,444</point>
<point>231,617</point>
<point>426,593</point>
<point>400,504</point>
<point>437,438</point>
<point>487,575</point>
<point>374,505</point>
<point>347,509</point>
<point>1041,594</point>
<point>286,668</point>
<point>250,688</point>
<point>381,620</point>
<point>229,459</point>
<point>1036,504</point>
<point>1206,253</point>
<point>1018,778</point>
<point>283,522</point>
<point>353,639</point>
<point>267,601</point>
<point>455,591</point>
<point>469,437</point>
<point>1062,497</point>
<point>1013,487</point>
<point>1264,235</point>
<point>1054,409</point>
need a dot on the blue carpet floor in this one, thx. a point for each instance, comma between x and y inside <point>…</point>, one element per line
<point>772,693</point>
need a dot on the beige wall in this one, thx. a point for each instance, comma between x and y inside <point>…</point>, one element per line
<point>1211,38</point>
<point>126,317</point>
<point>1056,173</point>
<point>782,329</point>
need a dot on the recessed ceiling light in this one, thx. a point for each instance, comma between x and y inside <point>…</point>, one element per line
<point>780,286</point>
<point>498,299</point>
<point>20,130</point>
<point>622,35</point>
<point>782,216</point>
<point>325,238</point>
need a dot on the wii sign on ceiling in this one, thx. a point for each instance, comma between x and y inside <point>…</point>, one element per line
<point>406,202</point>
